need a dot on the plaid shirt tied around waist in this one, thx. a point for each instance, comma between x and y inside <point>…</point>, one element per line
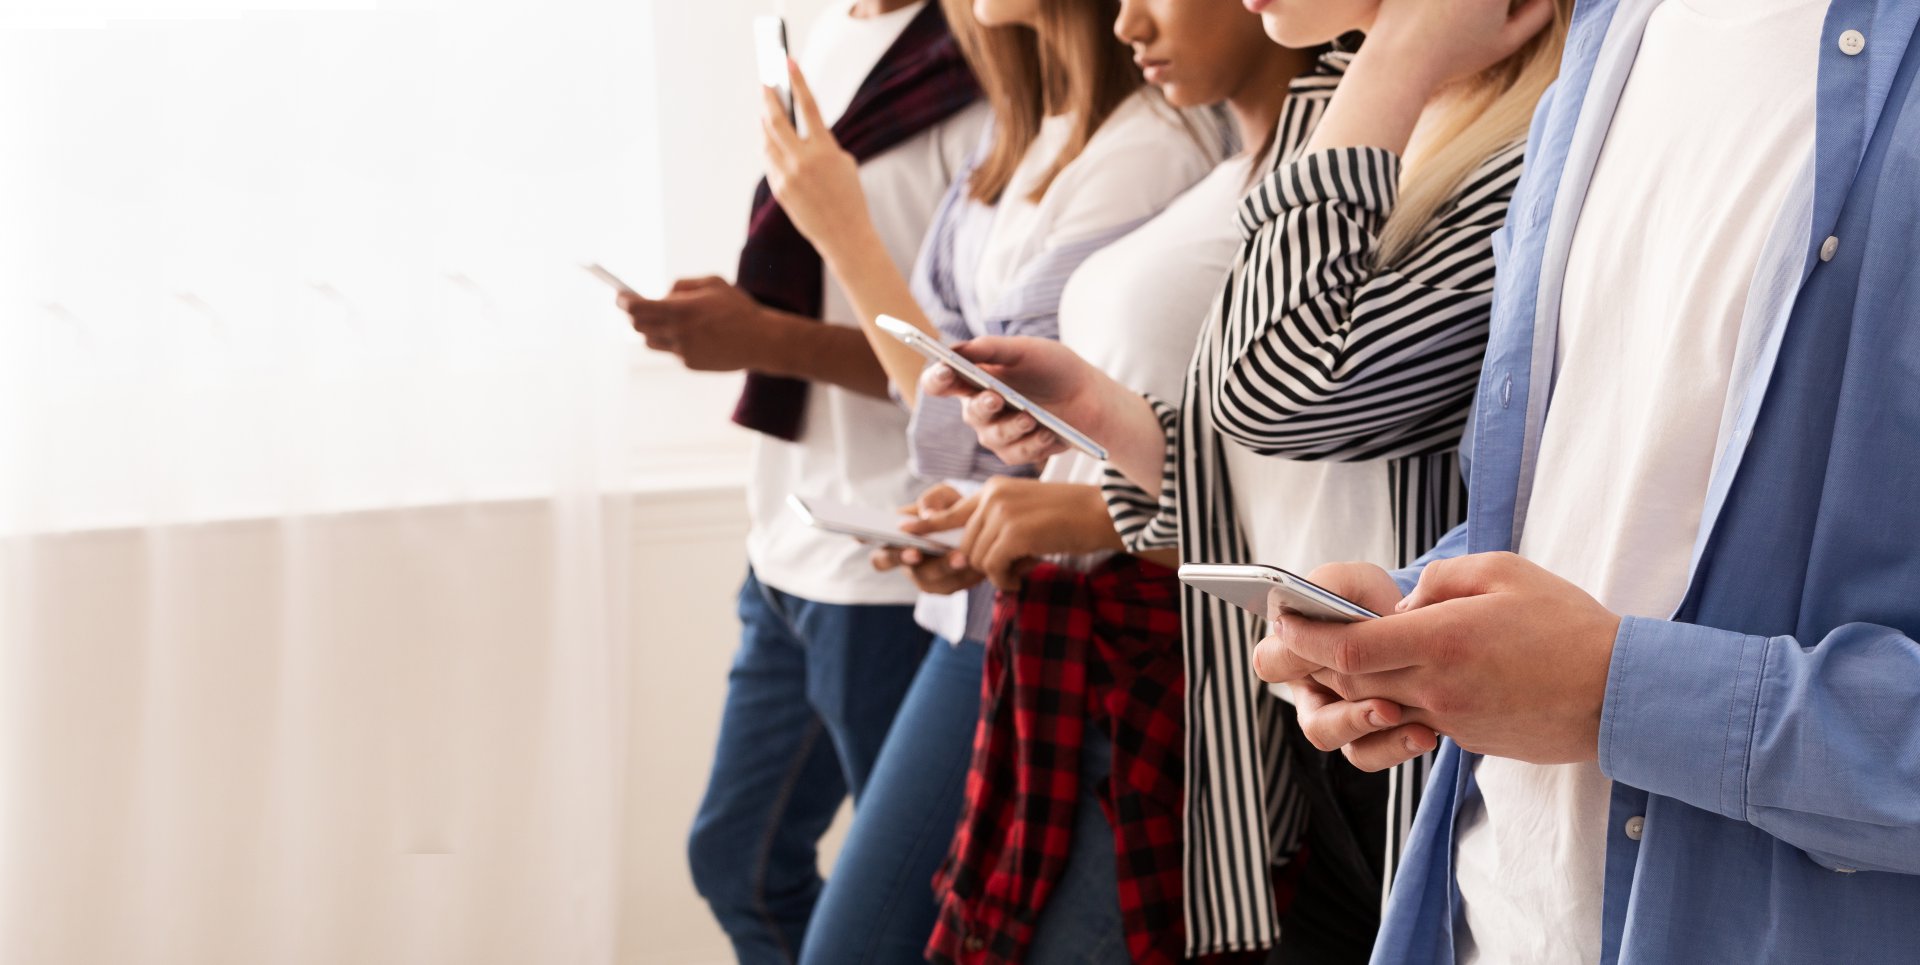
<point>1069,651</point>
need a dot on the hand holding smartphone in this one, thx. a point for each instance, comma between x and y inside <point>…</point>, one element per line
<point>931,350</point>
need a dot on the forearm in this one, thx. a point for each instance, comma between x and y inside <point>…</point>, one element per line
<point>1379,103</point>
<point>803,348</point>
<point>1146,520</point>
<point>1135,441</point>
<point>875,286</point>
<point>1360,360</point>
<point>1791,738</point>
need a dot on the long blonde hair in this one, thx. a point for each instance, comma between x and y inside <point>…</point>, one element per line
<point>1487,113</point>
<point>1080,70</point>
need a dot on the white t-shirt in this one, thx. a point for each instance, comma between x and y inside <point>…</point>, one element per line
<point>852,447</point>
<point>1143,156</point>
<point>1715,123</point>
<point>1134,309</point>
<point>1299,514</point>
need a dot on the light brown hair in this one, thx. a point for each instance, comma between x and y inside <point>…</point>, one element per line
<point>1071,64</point>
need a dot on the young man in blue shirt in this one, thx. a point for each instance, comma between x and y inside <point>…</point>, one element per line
<point>1674,648</point>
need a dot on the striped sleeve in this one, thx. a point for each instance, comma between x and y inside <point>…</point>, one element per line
<point>1350,360</point>
<point>1147,521</point>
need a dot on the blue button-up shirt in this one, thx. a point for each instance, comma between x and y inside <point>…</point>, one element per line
<point>1765,742</point>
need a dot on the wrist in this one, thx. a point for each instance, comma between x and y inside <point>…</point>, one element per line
<point>1114,406</point>
<point>1402,68</point>
<point>767,341</point>
<point>1405,58</point>
<point>1098,530</point>
<point>850,248</point>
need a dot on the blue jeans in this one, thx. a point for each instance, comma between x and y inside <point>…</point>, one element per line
<point>878,906</point>
<point>811,695</point>
<point>1081,923</point>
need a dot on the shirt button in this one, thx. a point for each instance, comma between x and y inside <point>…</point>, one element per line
<point>1636,826</point>
<point>1852,43</point>
<point>1847,871</point>
<point>1828,247</point>
<point>1506,392</point>
<point>975,943</point>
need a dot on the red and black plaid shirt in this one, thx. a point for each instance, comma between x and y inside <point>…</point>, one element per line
<point>1070,651</point>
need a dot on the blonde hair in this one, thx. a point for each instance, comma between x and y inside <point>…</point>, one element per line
<point>1488,112</point>
<point>1080,70</point>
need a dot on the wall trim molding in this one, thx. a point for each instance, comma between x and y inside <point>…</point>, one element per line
<point>668,517</point>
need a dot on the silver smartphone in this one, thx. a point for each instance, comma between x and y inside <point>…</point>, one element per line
<point>868,525</point>
<point>1269,592</point>
<point>931,350</point>
<point>770,50</point>
<point>613,281</point>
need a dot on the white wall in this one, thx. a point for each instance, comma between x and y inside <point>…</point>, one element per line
<point>688,559</point>
<point>687,536</point>
<point>360,783</point>
<point>710,133</point>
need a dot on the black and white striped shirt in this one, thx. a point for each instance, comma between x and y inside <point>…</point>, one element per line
<point>1314,352</point>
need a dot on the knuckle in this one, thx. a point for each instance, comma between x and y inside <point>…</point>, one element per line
<point>1317,733</point>
<point>1340,683</point>
<point>1368,761</point>
<point>1268,663</point>
<point>1346,656</point>
<point>1357,758</point>
<point>1357,718</point>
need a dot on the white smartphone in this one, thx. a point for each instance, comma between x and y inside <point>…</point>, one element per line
<point>931,350</point>
<point>770,50</point>
<point>869,525</point>
<point>1269,591</point>
<point>613,281</point>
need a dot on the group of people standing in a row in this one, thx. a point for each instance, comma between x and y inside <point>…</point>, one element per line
<point>1577,339</point>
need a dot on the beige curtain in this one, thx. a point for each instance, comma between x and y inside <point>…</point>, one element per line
<point>314,579</point>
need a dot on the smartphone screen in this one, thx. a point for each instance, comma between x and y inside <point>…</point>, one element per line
<point>770,44</point>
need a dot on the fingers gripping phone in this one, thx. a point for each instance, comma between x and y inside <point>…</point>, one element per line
<point>931,350</point>
<point>1269,592</point>
<point>770,49</point>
